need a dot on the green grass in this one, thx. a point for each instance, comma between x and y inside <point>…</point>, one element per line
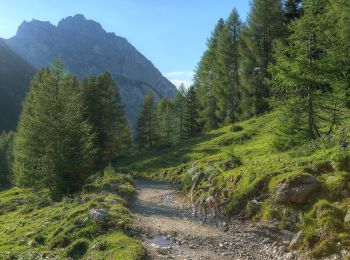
<point>260,169</point>
<point>32,226</point>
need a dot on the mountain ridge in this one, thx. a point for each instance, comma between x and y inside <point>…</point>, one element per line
<point>87,49</point>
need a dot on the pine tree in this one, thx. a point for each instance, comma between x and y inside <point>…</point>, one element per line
<point>191,125</point>
<point>178,113</point>
<point>147,135</point>
<point>165,122</point>
<point>104,111</point>
<point>227,91</point>
<point>54,145</point>
<point>264,26</point>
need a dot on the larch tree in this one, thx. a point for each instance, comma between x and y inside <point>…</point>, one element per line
<point>191,124</point>
<point>54,144</point>
<point>264,26</point>
<point>103,109</point>
<point>147,135</point>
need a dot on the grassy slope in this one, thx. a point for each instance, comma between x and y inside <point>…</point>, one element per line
<point>62,229</point>
<point>261,171</point>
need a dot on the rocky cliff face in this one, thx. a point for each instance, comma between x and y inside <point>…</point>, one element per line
<point>87,49</point>
<point>15,76</point>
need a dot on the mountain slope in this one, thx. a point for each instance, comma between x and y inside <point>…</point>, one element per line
<point>235,172</point>
<point>87,49</point>
<point>15,76</point>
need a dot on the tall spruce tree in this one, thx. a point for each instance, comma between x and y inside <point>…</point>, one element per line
<point>54,145</point>
<point>104,111</point>
<point>165,122</point>
<point>147,135</point>
<point>264,26</point>
<point>302,74</point>
<point>227,90</point>
<point>191,124</point>
<point>206,80</point>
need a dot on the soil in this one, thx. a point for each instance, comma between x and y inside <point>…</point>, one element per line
<point>169,231</point>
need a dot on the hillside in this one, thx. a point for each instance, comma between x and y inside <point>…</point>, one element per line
<point>95,225</point>
<point>305,189</point>
<point>86,49</point>
<point>15,76</point>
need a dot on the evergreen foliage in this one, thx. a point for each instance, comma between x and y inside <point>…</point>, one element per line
<point>264,26</point>
<point>165,122</point>
<point>54,145</point>
<point>5,159</point>
<point>147,136</point>
<point>304,75</point>
<point>191,124</point>
<point>178,113</point>
<point>101,100</point>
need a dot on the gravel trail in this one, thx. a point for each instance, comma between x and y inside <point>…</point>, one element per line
<point>169,232</point>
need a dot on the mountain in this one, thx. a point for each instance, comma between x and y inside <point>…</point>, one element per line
<point>87,49</point>
<point>15,76</point>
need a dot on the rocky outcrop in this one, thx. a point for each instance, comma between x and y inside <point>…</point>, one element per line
<point>87,49</point>
<point>297,189</point>
<point>347,217</point>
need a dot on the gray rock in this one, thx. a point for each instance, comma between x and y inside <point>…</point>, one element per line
<point>297,190</point>
<point>192,171</point>
<point>98,214</point>
<point>296,239</point>
<point>347,217</point>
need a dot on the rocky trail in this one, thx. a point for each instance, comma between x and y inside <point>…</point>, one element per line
<point>168,231</point>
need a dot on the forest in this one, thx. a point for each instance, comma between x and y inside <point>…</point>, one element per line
<point>269,105</point>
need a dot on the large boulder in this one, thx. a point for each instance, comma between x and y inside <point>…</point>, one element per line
<point>297,190</point>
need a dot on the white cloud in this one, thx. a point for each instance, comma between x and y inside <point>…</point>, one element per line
<point>178,75</point>
<point>178,83</point>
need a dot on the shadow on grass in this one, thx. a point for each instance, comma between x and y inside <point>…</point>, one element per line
<point>153,160</point>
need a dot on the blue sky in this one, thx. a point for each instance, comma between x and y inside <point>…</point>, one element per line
<point>171,33</point>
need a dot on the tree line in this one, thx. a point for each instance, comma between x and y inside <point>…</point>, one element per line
<point>67,130</point>
<point>292,54</point>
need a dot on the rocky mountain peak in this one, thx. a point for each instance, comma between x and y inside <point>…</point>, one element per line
<point>79,24</point>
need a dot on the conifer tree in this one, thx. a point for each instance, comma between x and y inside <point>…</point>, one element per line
<point>147,127</point>
<point>264,26</point>
<point>302,73</point>
<point>104,111</point>
<point>165,122</point>
<point>191,125</point>
<point>227,91</point>
<point>206,80</point>
<point>54,145</point>
<point>178,113</point>
<point>5,159</point>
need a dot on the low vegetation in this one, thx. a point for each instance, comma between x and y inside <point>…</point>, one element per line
<point>96,224</point>
<point>243,172</point>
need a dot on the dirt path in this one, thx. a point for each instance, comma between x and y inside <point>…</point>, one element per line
<point>168,232</point>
